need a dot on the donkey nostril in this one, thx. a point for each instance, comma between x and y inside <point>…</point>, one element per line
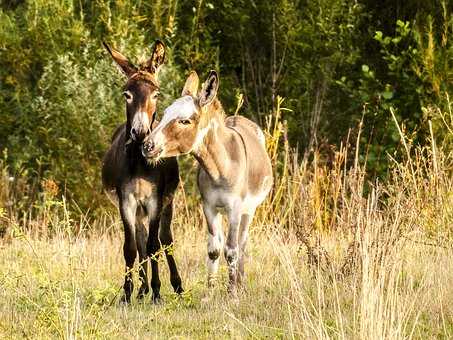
<point>149,146</point>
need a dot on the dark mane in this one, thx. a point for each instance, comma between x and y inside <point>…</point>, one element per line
<point>117,131</point>
<point>145,76</point>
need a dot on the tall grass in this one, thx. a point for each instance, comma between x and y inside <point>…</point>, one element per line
<point>333,254</point>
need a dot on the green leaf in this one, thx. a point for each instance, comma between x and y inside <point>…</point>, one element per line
<point>378,35</point>
<point>387,94</point>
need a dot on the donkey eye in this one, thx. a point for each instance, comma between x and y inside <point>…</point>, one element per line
<point>184,121</point>
<point>128,96</point>
<point>156,95</point>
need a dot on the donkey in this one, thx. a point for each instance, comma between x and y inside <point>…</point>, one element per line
<point>144,189</point>
<point>235,173</point>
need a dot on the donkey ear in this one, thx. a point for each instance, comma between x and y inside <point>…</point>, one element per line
<point>209,90</point>
<point>157,58</point>
<point>191,85</point>
<point>125,65</point>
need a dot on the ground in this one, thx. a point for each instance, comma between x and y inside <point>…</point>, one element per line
<point>67,286</point>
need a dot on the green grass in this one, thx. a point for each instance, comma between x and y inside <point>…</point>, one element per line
<point>68,287</point>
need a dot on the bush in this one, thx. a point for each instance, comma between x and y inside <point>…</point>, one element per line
<point>335,62</point>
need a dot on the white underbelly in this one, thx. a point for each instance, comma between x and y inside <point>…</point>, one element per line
<point>224,201</point>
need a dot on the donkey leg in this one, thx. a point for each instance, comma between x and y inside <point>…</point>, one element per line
<point>153,251</point>
<point>128,207</point>
<point>231,250</point>
<point>215,241</point>
<point>246,219</point>
<point>141,238</point>
<point>167,241</point>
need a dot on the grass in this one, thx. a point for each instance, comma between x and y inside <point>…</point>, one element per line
<point>67,287</point>
<point>331,255</point>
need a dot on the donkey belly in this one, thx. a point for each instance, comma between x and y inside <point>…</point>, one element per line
<point>238,198</point>
<point>251,202</point>
<point>225,201</point>
<point>144,192</point>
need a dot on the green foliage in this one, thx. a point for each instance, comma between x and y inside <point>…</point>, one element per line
<point>62,101</point>
<point>392,83</point>
<point>336,62</point>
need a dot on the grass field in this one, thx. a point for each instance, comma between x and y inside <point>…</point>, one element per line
<point>67,287</point>
<point>331,255</point>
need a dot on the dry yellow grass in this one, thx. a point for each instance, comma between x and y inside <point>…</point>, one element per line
<point>331,256</point>
<point>66,287</point>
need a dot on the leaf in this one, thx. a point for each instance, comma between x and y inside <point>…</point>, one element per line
<point>387,95</point>
<point>378,35</point>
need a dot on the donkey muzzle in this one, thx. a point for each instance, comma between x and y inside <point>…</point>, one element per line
<point>140,126</point>
<point>149,149</point>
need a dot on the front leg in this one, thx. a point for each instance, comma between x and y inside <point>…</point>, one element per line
<point>215,240</point>
<point>166,239</point>
<point>231,251</point>
<point>154,254</point>
<point>128,207</point>
<point>141,236</point>
<point>153,209</point>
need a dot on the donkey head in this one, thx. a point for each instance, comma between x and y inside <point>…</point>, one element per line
<point>141,90</point>
<point>185,122</point>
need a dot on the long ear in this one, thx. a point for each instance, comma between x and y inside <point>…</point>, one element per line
<point>191,85</point>
<point>125,65</point>
<point>157,58</point>
<point>209,90</point>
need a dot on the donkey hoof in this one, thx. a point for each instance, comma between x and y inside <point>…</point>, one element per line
<point>157,300</point>
<point>233,292</point>
<point>234,297</point>
<point>142,292</point>
<point>179,290</point>
<point>124,300</point>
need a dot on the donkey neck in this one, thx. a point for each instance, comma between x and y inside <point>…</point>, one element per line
<point>135,161</point>
<point>221,150</point>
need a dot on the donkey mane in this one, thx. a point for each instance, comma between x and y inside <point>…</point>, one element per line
<point>145,76</point>
<point>118,130</point>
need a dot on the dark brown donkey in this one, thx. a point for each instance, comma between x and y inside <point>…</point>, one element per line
<point>145,190</point>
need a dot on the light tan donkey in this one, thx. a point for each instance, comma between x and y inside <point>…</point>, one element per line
<point>235,173</point>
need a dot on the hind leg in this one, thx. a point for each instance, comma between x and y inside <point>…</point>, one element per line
<point>142,237</point>
<point>231,249</point>
<point>128,207</point>
<point>153,249</point>
<point>246,219</point>
<point>167,242</point>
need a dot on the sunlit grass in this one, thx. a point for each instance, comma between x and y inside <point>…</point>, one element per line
<point>331,255</point>
<point>54,287</point>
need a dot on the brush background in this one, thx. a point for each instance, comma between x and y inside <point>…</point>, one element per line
<point>335,61</point>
